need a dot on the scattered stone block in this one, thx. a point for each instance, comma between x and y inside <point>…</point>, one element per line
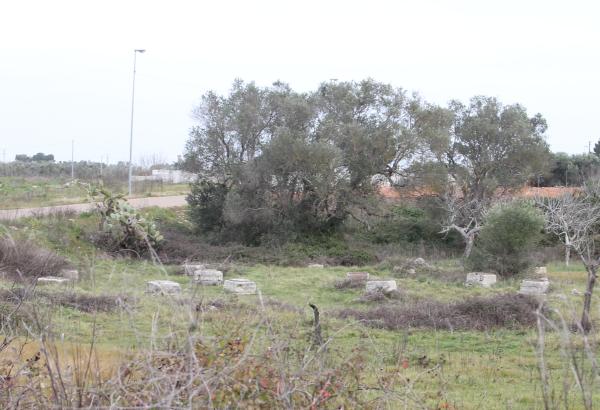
<point>535,287</point>
<point>48,280</point>
<point>240,286</point>
<point>481,279</point>
<point>163,287</point>
<point>316,266</point>
<point>190,269</point>
<point>208,277</point>
<point>540,271</point>
<point>71,274</point>
<point>355,277</point>
<point>576,292</point>
<point>384,286</point>
<point>419,262</point>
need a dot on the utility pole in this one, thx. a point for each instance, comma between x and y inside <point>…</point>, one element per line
<point>72,159</point>
<point>131,128</point>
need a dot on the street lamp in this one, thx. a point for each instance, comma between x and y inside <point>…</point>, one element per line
<point>131,128</point>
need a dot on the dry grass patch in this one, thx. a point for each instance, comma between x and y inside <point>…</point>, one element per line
<point>478,313</point>
<point>23,260</point>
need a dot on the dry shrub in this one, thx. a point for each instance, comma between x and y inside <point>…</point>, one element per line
<point>228,371</point>
<point>22,259</point>
<point>346,283</point>
<point>80,301</point>
<point>438,274</point>
<point>86,303</point>
<point>379,295</point>
<point>478,313</point>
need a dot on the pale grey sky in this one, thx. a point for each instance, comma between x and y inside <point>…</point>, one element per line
<point>66,66</point>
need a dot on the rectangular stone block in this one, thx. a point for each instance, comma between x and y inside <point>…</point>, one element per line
<point>534,287</point>
<point>384,286</point>
<point>71,274</point>
<point>316,266</point>
<point>481,279</point>
<point>163,287</point>
<point>540,271</point>
<point>208,277</point>
<point>47,280</point>
<point>189,269</point>
<point>357,276</point>
<point>240,286</point>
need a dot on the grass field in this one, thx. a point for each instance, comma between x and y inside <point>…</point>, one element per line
<point>413,367</point>
<point>18,192</point>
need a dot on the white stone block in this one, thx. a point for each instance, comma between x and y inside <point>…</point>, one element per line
<point>47,280</point>
<point>540,271</point>
<point>419,262</point>
<point>357,276</point>
<point>163,287</point>
<point>71,274</point>
<point>385,286</point>
<point>316,265</point>
<point>481,279</point>
<point>240,286</point>
<point>534,287</point>
<point>192,268</point>
<point>208,277</point>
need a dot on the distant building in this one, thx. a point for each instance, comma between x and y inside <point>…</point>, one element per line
<point>174,176</point>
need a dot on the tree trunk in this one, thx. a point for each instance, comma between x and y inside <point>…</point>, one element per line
<point>470,240</point>
<point>586,323</point>
<point>567,249</point>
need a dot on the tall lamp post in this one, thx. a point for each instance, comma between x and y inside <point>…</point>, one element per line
<point>131,128</point>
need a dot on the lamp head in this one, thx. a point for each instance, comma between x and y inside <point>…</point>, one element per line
<point>139,50</point>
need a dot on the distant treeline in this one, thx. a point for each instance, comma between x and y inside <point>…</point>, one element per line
<point>83,170</point>
<point>39,157</point>
<point>568,170</point>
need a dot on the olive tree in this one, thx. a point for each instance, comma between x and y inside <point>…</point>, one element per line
<point>492,149</point>
<point>289,159</point>
<point>575,218</point>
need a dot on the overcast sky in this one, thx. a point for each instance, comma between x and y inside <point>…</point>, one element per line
<point>66,66</point>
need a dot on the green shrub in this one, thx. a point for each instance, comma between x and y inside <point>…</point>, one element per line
<point>411,224</point>
<point>332,249</point>
<point>509,235</point>
<point>207,201</point>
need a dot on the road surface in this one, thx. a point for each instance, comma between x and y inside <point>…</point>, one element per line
<point>159,201</point>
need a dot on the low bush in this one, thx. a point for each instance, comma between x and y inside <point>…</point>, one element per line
<point>478,313</point>
<point>508,237</point>
<point>406,223</point>
<point>330,249</point>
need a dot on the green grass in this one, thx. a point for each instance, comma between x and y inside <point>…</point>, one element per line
<point>18,192</point>
<point>492,370</point>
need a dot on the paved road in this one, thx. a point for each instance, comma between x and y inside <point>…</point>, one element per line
<point>160,201</point>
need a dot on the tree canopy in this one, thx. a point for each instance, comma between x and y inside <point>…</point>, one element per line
<point>279,160</point>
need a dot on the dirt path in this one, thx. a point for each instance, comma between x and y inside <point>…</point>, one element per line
<point>160,201</point>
